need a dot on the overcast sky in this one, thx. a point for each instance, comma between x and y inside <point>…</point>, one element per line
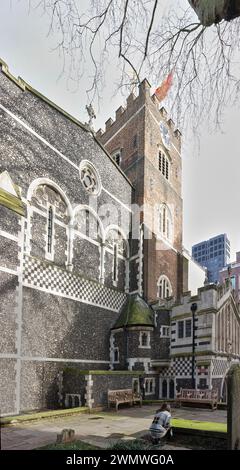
<point>211,189</point>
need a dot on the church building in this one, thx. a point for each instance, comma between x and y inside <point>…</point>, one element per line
<point>93,278</point>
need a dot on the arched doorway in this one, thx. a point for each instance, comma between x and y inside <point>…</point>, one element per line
<point>171,388</point>
<point>167,388</point>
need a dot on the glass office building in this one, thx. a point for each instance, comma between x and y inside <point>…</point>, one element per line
<point>213,254</point>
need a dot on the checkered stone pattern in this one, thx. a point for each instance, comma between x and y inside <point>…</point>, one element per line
<point>202,370</point>
<point>181,367</point>
<point>54,280</point>
<point>220,367</point>
<point>170,372</point>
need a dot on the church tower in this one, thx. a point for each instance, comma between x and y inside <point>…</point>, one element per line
<point>143,141</point>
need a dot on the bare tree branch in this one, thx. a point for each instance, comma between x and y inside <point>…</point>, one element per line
<point>142,40</point>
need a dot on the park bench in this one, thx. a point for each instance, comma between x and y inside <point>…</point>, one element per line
<point>189,395</point>
<point>115,397</point>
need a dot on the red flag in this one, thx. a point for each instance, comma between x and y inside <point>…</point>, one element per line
<point>162,91</point>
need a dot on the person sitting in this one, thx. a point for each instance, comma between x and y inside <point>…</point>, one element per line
<point>161,424</point>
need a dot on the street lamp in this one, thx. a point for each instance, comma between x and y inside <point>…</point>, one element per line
<point>193,309</point>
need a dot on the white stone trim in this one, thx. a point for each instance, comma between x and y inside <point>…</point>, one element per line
<point>87,164</point>
<point>85,237</point>
<point>163,277</point>
<point>116,228</point>
<point>28,229</point>
<point>29,129</point>
<point>50,359</point>
<point>153,380</point>
<point>127,275</point>
<point>148,345</point>
<point>115,280</point>
<point>102,263</point>
<point>117,200</point>
<point>132,258</point>
<point>115,348</point>
<point>60,387</point>
<point>8,235</point>
<point>85,207</point>
<point>72,396</point>
<point>89,390</point>
<point>109,250</point>
<point>44,214</point>
<point>145,360</point>
<point>8,356</point>
<point>19,312</point>
<point>169,329</point>
<point>8,271</point>
<point>111,349</point>
<point>175,148</point>
<point>48,182</point>
<point>140,265</point>
<point>167,242</point>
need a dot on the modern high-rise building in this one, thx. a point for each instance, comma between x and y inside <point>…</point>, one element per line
<point>213,254</point>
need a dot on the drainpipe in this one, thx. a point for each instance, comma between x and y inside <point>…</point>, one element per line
<point>193,309</point>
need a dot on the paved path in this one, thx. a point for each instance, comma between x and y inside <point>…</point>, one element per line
<point>100,429</point>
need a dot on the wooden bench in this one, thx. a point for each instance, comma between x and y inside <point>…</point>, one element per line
<point>115,397</point>
<point>189,395</point>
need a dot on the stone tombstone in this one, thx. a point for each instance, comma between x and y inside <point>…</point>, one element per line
<point>67,435</point>
<point>233,408</point>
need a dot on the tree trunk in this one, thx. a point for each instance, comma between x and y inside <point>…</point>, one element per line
<point>214,11</point>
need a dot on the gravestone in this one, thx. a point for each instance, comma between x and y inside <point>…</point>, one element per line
<point>233,408</point>
<point>67,435</point>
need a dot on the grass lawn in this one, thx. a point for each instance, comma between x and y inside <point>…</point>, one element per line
<point>201,425</point>
<point>77,445</point>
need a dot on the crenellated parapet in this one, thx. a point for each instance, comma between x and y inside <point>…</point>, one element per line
<point>134,104</point>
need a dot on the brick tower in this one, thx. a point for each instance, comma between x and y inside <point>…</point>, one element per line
<point>146,145</point>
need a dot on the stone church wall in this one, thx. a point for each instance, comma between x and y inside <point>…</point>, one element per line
<point>54,309</point>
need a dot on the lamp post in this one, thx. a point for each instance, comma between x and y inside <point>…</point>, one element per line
<point>193,309</point>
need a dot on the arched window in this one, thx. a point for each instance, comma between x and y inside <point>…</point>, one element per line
<point>165,222</point>
<point>117,156</point>
<point>87,223</point>
<point>164,165</point>
<point>117,249</point>
<point>164,287</point>
<point>50,231</point>
<point>49,213</point>
<point>144,339</point>
<point>164,388</point>
<point>115,263</point>
<point>171,389</point>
